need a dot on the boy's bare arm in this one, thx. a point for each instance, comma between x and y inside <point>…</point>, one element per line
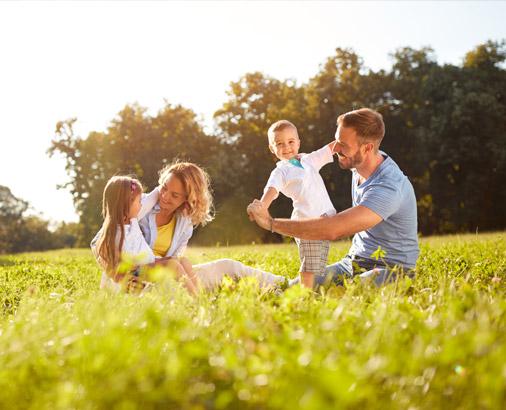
<point>269,196</point>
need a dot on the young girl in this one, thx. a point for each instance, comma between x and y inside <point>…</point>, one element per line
<point>120,237</point>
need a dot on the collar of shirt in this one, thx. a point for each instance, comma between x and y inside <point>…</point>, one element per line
<point>292,161</point>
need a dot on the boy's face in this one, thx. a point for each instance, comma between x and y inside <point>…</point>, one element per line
<point>285,144</point>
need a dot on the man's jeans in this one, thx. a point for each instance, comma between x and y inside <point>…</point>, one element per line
<point>366,269</point>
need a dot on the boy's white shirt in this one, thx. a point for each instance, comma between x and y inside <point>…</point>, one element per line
<point>304,186</point>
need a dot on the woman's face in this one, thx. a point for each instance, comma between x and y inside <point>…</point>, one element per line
<point>172,194</point>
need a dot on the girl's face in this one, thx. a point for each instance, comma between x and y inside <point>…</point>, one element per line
<point>135,206</point>
<point>172,194</point>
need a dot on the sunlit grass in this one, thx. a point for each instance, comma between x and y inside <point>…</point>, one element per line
<point>436,342</point>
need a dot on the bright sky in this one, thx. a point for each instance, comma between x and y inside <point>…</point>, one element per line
<point>89,59</point>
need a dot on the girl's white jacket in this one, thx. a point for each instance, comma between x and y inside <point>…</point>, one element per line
<point>135,246</point>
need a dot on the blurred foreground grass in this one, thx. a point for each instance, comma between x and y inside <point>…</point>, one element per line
<point>436,342</point>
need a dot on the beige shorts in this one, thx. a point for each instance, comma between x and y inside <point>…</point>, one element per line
<point>313,255</point>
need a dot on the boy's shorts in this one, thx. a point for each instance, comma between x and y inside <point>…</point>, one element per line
<point>313,255</point>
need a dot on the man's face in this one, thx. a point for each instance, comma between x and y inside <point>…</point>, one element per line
<point>285,144</point>
<point>348,148</point>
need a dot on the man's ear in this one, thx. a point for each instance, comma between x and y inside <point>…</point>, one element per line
<point>369,147</point>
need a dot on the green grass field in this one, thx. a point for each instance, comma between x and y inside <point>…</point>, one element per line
<point>436,342</point>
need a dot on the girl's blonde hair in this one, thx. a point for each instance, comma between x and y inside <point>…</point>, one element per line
<point>119,193</point>
<point>196,182</point>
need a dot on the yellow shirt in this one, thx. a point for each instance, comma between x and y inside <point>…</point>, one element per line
<point>164,238</point>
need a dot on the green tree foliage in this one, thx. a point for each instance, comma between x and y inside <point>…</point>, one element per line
<point>445,127</point>
<point>11,219</point>
<point>67,234</point>
<point>20,232</point>
<point>254,103</point>
<point>453,120</point>
<point>135,143</point>
<point>342,84</point>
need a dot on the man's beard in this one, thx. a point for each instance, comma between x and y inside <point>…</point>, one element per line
<point>351,162</point>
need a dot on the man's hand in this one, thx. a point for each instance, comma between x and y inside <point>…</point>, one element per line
<point>259,212</point>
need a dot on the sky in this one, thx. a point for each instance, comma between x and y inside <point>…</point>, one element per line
<point>87,60</point>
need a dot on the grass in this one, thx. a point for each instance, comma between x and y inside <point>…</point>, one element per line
<point>438,341</point>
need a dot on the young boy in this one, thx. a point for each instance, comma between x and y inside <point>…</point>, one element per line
<point>298,177</point>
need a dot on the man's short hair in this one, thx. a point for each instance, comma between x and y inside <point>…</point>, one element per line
<point>367,123</point>
<point>279,126</point>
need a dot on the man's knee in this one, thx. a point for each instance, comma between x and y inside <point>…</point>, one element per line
<point>384,276</point>
<point>334,274</point>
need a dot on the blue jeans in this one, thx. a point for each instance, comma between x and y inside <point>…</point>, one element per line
<point>366,269</point>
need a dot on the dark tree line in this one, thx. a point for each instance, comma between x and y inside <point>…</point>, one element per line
<point>20,232</point>
<point>445,127</point>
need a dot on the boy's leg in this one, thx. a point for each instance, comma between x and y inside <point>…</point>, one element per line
<point>307,279</point>
<point>313,257</point>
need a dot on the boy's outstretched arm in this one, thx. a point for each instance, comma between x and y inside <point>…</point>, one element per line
<point>269,196</point>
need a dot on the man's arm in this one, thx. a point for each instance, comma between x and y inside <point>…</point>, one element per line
<point>344,224</point>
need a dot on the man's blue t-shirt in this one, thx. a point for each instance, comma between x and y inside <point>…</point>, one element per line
<point>388,193</point>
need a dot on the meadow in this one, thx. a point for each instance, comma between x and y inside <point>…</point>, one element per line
<point>438,341</point>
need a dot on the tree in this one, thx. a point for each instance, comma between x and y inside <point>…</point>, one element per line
<point>11,219</point>
<point>444,127</point>
<point>254,103</point>
<point>341,85</point>
<point>20,232</point>
<point>134,143</point>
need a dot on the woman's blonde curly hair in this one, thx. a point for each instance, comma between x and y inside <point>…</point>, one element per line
<point>197,184</point>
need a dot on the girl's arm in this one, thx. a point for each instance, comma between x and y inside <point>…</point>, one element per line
<point>148,202</point>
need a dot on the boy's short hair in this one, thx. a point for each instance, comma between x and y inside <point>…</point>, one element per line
<point>279,126</point>
<point>367,123</point>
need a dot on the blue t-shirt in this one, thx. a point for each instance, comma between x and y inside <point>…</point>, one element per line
<point>388,193</point>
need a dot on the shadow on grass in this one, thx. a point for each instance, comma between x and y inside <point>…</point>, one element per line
<point>5,261</point>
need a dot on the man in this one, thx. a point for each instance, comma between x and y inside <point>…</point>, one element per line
<point>383,218</point>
